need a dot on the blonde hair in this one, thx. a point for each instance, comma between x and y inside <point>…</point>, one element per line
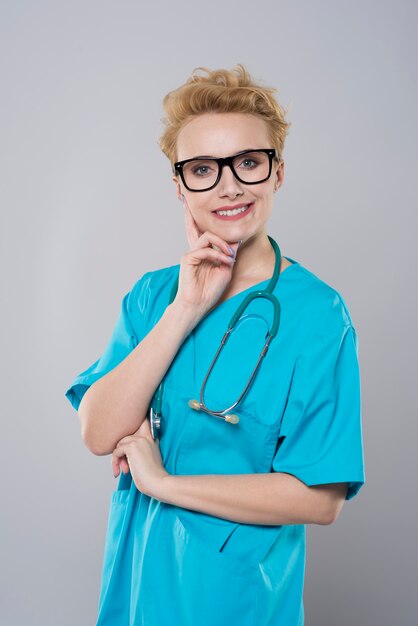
<point>221,91</point>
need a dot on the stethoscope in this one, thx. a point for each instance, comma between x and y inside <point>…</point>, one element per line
<point>155,413</point>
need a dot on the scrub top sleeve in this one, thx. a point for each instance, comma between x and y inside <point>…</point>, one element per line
<point>124,338</point>
<point>321,424</point>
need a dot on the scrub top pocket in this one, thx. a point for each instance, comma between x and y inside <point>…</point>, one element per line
<point>215,551</point>
<point>204,586</point>
<point>247,544</point>
<point>115,589</point>
<point>117,514</point>
<point>210,445</point>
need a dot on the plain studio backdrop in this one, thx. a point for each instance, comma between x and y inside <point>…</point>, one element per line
<point>88,206</point>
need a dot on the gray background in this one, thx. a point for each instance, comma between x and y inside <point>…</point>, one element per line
<point>87,206</point>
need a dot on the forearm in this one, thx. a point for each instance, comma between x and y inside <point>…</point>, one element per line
<point>116,404</point>
<point>271,499</point>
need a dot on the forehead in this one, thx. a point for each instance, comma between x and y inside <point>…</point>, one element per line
<point>221,134</point>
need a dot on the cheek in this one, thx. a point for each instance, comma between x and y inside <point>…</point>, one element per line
<point>201,216</point>
<point>202,212</point>
<point>201,219</point>
<point>266,202</point>
<point>267,209</point>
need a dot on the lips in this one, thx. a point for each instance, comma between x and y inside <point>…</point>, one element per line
<point>231,208</point>
<point>237,216</point>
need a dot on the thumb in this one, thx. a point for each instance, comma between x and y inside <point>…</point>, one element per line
<point>145,430</point>
<point>235,246</point>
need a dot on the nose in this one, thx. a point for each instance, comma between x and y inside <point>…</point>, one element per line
<point>229,185</point>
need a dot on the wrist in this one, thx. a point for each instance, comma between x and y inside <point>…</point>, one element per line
<point>184,315</point>
<point>163,488</point>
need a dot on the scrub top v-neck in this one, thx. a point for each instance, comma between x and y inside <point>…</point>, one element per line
<point>168,565</point>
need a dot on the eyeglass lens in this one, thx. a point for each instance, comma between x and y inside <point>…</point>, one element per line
<point>250,167</point>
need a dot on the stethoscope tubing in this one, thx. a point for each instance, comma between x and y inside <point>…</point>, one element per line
<point>155,413</point>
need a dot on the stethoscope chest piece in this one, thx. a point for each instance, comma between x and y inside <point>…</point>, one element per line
<point>155,422</point>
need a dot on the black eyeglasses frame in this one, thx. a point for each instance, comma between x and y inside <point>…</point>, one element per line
<point>222,161</point>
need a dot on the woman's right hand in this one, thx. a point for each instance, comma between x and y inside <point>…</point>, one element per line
<point>205,271</point>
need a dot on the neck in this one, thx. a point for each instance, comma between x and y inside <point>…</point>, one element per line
<point>255,259</point>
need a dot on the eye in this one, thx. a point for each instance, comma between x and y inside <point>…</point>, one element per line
<point>201,170</point>
<point>250,161</point>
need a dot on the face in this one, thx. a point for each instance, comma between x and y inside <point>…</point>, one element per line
<point>222,135</point>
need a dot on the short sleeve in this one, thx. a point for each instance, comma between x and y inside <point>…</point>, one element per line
<point>124,338</point>
<point>321,427</point>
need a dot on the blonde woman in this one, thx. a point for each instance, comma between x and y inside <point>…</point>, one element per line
<point>223,462</point>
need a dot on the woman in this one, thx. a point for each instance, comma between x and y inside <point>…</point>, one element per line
<point>207,525</point>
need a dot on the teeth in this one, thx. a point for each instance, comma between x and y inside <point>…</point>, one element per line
<point>234,211</point>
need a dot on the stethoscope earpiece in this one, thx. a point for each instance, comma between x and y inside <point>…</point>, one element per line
<point>229,417</point>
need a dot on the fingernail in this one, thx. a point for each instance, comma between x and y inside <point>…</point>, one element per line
<point>232,250</point>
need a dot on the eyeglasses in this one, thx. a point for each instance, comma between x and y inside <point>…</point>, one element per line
<point>249,166</point>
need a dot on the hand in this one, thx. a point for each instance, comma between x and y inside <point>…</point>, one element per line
<point>206,269</point>
<point>140,454</point>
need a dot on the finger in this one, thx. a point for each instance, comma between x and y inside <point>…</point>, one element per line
<point>196,237</point>
<point>197,255</point>
<point>192,231</point>
<point>120,450</point>
<point>115,464</point>
<point>209,239</point>
<point>190,216</point>
<point>235,246</point>
<point>145,427</point>
<point>145,431</point>
<point>124,464</point>
<point>125,440</point>
<point>120,461</point>
<point>119,464</point>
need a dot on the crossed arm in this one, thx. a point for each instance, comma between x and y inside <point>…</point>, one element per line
<point>276,498</point>
<point>110,409</point>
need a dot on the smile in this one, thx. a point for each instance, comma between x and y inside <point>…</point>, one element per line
<point>234,213</point>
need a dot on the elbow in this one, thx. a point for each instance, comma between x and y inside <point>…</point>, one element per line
<point>329,502</point>
<point>331,512</point>
<point>95,447</point>
<point>91,438</point>
<point>329,517</point>
<point>92,433</point>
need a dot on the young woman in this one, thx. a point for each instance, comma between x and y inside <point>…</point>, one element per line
<point>207,525</point>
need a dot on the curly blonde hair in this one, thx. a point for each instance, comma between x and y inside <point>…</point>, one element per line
<point>221,91</point>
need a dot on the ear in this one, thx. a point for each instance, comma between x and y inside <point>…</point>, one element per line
<point>279,175</point>
<point>178,187</point>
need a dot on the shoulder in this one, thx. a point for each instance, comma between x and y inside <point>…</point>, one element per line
<point>154,279</point>
<point>151,289</point>
<point>322,310</point>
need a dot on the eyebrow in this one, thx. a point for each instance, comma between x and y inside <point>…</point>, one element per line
<point>207,156</point>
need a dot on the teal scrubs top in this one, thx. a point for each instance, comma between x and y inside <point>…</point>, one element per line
<point>166,565</point>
